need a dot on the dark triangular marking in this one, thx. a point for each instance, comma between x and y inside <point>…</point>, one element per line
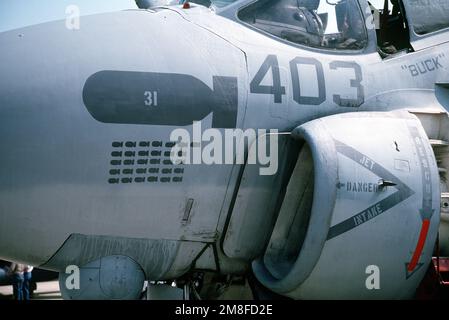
<point>408,274</point>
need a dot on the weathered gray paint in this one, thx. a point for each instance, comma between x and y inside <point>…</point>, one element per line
<point>56,156</point>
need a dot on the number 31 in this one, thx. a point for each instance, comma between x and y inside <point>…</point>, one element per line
<point>151,98</point>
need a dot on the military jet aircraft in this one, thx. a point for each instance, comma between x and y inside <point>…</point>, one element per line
<point>353,94</point>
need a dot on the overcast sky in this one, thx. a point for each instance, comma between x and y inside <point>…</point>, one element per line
<point>20,13</point>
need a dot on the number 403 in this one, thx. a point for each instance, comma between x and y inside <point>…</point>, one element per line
<point>277,90</point>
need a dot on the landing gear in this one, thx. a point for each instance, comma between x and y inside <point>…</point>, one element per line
<point>201,286</point>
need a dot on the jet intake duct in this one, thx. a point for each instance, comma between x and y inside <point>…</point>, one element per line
<point>360,215</point>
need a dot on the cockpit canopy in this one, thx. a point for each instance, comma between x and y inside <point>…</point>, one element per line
<point>428,16</point>
<point>336,24</point>
<point>341,24</point>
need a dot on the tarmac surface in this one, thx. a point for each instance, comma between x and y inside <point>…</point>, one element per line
<point>45,291</point>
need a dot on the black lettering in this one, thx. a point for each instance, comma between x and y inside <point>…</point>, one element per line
<point>430,68</point>
<point>271,62</point>
<point>413,70</point>
<point>355,83</point>
<point>296,81</point>
<point>438,65</point>
<point>424,68</point>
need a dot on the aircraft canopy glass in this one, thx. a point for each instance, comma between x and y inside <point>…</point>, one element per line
<point>222,3</point>
<point>331,24</point>
<point>429,16</point>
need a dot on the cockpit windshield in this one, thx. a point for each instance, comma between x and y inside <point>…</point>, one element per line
<point>332,24</point>
<point>222,3</point>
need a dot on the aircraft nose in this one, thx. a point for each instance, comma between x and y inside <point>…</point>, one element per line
<point>56,149</point>
<point>28,94</point>
<point>16,111</point>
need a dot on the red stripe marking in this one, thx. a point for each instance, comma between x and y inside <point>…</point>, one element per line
<point>419,246</point>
